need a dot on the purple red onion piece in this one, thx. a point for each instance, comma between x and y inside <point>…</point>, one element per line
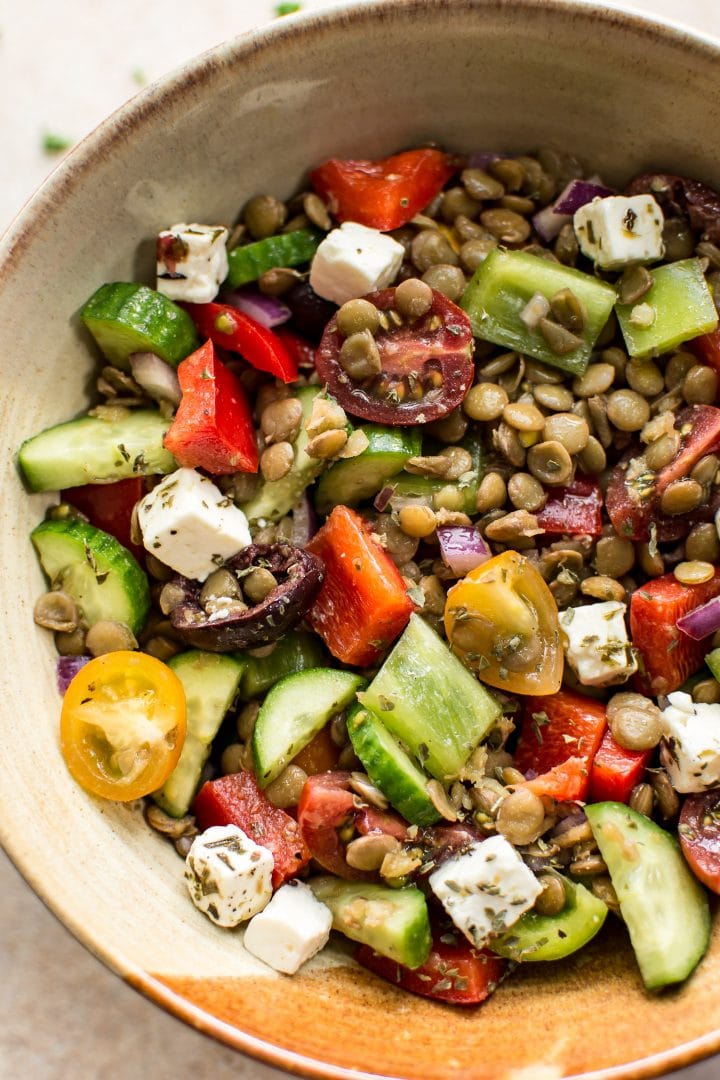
<point>578,193</point>
<point>383,497</point>
<point>158,379</point>
<point>304,522</point>
<point>701,621</point>
<point>67,668</point>
<point>267,310</point>
<point>462,548</point>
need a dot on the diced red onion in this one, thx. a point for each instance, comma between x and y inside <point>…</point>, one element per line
<point>480,159</point>
<point>570,821</point>
<point>267,310</point>
<point>536,309</point>
<point>304,522</point>
<point>577,194</point>
<point>383,497</point>
<point>547,223</point>
<point>462,548</point>
<point>701,621</point>
<point>158,379</point>
<point>67,669</point>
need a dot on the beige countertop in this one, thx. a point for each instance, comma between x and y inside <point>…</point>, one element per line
<point>63,67</point>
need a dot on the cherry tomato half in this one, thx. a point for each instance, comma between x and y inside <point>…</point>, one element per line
<point>699,832</point>
<point>426,365</point>
<point>502,621</point>
<point>122,726</point>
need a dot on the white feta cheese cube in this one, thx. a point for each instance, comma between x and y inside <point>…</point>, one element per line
<point>596,643</point>
<point>188,524</point>
<point>485,889</point>
<point>619,230</point>
<point>228,875</point>
<point>354,260</point>
<point>192,262</point>
<point>291,929</point>
<point>691,751</point>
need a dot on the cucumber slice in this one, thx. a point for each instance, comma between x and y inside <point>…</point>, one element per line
<point>393,922</point>
<point>713,662</point>
<point>666,910</point>
<point>297,651</point>
<point>125,318</point>
<point>430,701</point>
<point>552,937</point>
<point>103,578</point>
<point>459,495</point>
<point>276,498</point>
<point>248,262</point>
<point>680,307</point>
<point>210,682</point>
<point>95,451</point>
<point>350,482</point>
<point>390,768</point>
<point>294,711</point>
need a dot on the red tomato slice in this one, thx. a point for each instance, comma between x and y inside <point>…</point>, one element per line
<point>234,330</point>
<point>383,194</point>
<point>109,507</point>
<point>454,971</point>
<point>669,657</point>
<point>615,771</point>
<point>699,832</point>
<point>237,800</point>
<point>556,730</point>
<point>426,365</point>
<point>574,510</point>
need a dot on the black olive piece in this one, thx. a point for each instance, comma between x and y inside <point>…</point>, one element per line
<point>310,312</point>
<point>681,195</point>
<point>299,576</point>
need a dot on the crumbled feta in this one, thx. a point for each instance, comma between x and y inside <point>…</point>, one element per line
<point>188,524</point>
<point>619,230</point>
<point>291,929</point>
<point>596,643</point>
<point>192,262</point>
<point>354,260</point>
<point>228,875</point>
<point>691,751</point>
<point>485,889</point>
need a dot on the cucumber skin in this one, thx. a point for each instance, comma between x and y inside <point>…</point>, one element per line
<point>405,793</point>
<point>90,451</point>
<point>408,944</point>
<point>248,262</point>
<point>125,317</point>
<point>297,651</point>
<point>108,554</point>
<point>523,941</point>
<point>210,682</point>
<point>353,481</point>
<point>692,919</point>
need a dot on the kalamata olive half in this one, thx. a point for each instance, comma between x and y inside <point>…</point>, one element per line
<point>230,626</point>
<point>680,194</point>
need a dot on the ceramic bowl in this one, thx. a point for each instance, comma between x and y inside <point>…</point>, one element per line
<point>251,116</point>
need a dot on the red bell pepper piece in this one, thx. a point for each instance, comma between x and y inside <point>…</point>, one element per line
<point>363,604</point>
<point>669,657</point>
<point>302,351</point>
<point>615,771</point>
<point>109,507</point>
<point>213,427</point>
<point>563,729</point>
<point>454,971</point>
<point>234,330</point>
<point>566,782</point>
<point>707,348</point>
<point>383,194</point>
<point>574,510</point>
<point>237,800</point>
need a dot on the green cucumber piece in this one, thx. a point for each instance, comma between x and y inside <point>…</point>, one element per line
<point>430,701</point>
<point>350,482</point>
<point>92,567</point>
<point>248,262</point>
<point>210,682</point>
<point>552,937</point>
<point>297,651</point>
<point>294,711</point>
<point>502,286</point>
<point>393,922</point>
<point>390,768</point>
<point>126,318</point>
<point>276,498</point>
<point>95,451</point>
<point>459,495</point>
<point>713,662</point>
<point>665,909</point>
<point>680,305</point>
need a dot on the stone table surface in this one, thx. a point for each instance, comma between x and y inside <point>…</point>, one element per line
<point>63,68</point>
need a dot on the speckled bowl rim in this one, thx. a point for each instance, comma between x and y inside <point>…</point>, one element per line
<point>152,101</point>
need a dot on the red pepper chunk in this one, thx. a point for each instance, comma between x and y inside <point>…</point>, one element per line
<point>234,330</point>
<point>237,800</point>
<point>213,427</point>
<point>669,657</point>
<point>109,507</point>
<point>615,771</point>
<point>383,194</point>
<point>574,510</point>
<point>707,348</point>
<point>363,604</point>
<point>563,729</point>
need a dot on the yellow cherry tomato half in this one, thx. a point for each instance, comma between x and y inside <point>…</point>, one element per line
<point>502,621</point>
<point>122,726</point>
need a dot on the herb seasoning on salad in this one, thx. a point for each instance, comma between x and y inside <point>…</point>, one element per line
<point>386,566</point>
